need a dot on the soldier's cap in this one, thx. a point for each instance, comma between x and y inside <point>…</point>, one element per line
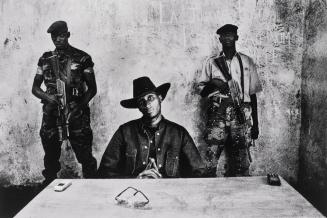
<point>58,27</point>
<point>227,28</point>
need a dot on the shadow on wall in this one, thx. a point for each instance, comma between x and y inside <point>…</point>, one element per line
<point>200,112</point>
<point>312,180</point>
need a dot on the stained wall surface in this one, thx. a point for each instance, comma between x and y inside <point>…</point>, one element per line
<point>166,40</point>
<point>313,149</point>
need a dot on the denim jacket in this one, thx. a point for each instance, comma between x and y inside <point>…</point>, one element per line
<point>127,153</point>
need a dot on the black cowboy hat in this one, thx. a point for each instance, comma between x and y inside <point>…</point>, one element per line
<point>141,87</point>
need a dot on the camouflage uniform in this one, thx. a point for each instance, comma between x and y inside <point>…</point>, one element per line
<point>223,130</point>
<point>79,128</point>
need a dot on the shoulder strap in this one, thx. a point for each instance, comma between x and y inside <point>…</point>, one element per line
<point>221,64</point>
<point>242,72</point>
<point>55,64</point>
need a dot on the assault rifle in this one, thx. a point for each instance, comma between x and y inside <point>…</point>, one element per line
<point>62,121</point>
<point>236,97</point>
<point>237,101</point>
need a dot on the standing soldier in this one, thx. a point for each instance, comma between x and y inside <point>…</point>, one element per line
<point>70,84</point>
<point>230,83</point>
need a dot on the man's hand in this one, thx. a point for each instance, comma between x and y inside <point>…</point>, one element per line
<point>51,103</point>
<point>52,99</point>
<point>50,108</point>
<point>149,174</point>
<point>254,132</point>
<point>214,85</point>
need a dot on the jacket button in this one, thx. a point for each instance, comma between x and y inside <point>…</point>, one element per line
<point>145,147</point>
<point>159,165</point>
<point>143,162</point>
<point>158,133</point>
<point>158,149</point>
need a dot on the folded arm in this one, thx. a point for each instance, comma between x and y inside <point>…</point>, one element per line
<point>39,93</point>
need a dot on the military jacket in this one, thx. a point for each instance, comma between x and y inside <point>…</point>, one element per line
<point>74,60</point>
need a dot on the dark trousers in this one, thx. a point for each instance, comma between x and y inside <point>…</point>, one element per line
<point>237,160</point>
<point>80,139</point>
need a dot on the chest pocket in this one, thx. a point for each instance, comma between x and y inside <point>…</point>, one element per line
<point>172,162</point>
<point>77,78</point>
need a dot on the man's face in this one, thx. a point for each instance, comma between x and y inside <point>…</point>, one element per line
<point>60,40</point>
<point>150,105</point>
<point>228,39</point>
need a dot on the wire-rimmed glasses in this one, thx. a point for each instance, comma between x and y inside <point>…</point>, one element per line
<point>132,197</point>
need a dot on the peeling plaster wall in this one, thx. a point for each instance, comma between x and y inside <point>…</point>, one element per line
<point>166,40</point>
<point>313,149</point>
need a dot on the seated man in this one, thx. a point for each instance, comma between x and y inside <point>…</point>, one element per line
<point>152,146</point>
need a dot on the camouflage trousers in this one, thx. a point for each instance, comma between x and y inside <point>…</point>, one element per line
<point>225,132</point>
<point>80,139</point>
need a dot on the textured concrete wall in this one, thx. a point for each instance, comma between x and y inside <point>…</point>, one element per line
<point>313,150</point>
<point>166,40</point>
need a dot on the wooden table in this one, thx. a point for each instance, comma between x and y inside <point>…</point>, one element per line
<point>201,198</point>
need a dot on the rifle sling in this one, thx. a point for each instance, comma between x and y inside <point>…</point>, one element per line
<point>222,65</point>
<point>68,69</point>
<point>242,73</point>
<point>55,64</point>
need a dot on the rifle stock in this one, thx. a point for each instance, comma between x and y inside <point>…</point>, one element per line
<point>236,93</point>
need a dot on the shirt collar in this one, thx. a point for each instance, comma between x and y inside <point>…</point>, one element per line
<point>222,54</point>
<point>67,51</point>
<point>160,126</point>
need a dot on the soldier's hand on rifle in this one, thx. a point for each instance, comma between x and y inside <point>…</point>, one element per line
<point>254,132</point>
<point>50,103</point>
<point>52,99</point>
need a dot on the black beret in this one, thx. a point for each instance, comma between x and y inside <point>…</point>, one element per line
<point>228,28</point>
<point>58,27</point>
